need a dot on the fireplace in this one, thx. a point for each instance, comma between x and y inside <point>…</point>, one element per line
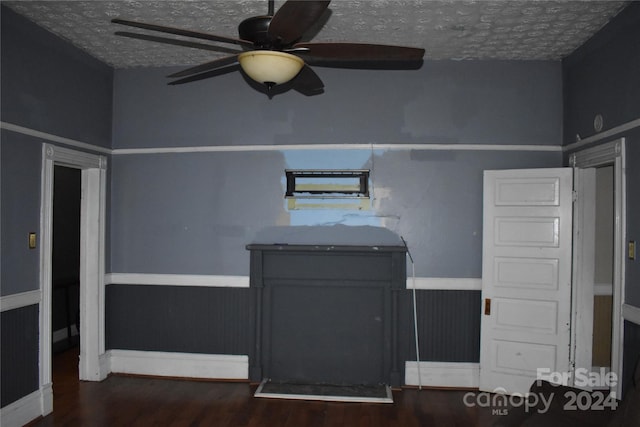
<point>327,314</point>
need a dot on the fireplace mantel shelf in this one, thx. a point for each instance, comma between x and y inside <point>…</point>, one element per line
<point>324,248</point>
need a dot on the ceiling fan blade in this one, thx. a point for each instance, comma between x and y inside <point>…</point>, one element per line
<point>294,18</point>
<point>176,42</point>
<point>358,52</point>
<point>181,32</point>
<point>207,66</point>
<point>206,75</point>
<point>307,82</point>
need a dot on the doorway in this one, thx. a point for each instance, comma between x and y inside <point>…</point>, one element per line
<point>603,268</point>
<point>507,366</point>
<point>65,261</point>
<point>605,306</point>
<point>93,177</point>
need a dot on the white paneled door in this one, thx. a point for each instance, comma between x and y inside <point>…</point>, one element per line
<point>526,277</point>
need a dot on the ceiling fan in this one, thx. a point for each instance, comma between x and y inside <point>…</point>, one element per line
<point>270,51</point>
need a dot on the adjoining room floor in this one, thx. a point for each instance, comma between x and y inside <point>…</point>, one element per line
<point>136,401</point>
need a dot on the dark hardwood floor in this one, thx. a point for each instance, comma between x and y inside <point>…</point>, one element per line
<point>135,401</point>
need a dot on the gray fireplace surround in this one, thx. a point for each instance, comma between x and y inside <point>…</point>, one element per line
<point>327,313</point>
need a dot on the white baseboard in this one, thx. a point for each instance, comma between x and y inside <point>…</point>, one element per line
<point>602,289</point>
<point>218,281</point>
<point>236,367</point>
<point>187,365</point>
<point>631,313</point>
<point>61,334</point>
<point>443,374</point>
<point>47,399</point>
<point>444,284</point>
<point>28,408</point>
<point>213,281</point>
<point>104,365</point>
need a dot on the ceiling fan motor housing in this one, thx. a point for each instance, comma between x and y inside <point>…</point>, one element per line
<point>255,29</point>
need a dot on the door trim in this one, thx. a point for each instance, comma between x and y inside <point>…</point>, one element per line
<point>612,153</point>
<point>92,256</point>
<point>582,280</point>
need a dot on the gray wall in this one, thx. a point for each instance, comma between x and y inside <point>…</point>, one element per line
<point>19,363</point>
<point>480,102</point>
<point>632,295</point>
<point>180,318</point>
<point>20,213</point>
<point>602,78</point>
<point>48,86</point>
<point>195,212</point>
<point>631,355</point>
<point>448,326</point>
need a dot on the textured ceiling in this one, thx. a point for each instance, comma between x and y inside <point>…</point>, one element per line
<point>448,29</point>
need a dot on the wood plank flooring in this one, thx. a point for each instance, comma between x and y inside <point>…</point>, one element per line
<point>135,401</point>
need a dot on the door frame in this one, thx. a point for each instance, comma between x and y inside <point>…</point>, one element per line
<point>93,168</point>
<point>610,153</point>
<point>582,280</point>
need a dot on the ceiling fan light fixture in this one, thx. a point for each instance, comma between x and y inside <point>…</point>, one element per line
<point>270,67</point>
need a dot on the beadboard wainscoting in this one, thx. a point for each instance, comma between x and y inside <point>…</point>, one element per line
<point>23,398</point>
<point>433,373</point>
<point>175,321</point>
